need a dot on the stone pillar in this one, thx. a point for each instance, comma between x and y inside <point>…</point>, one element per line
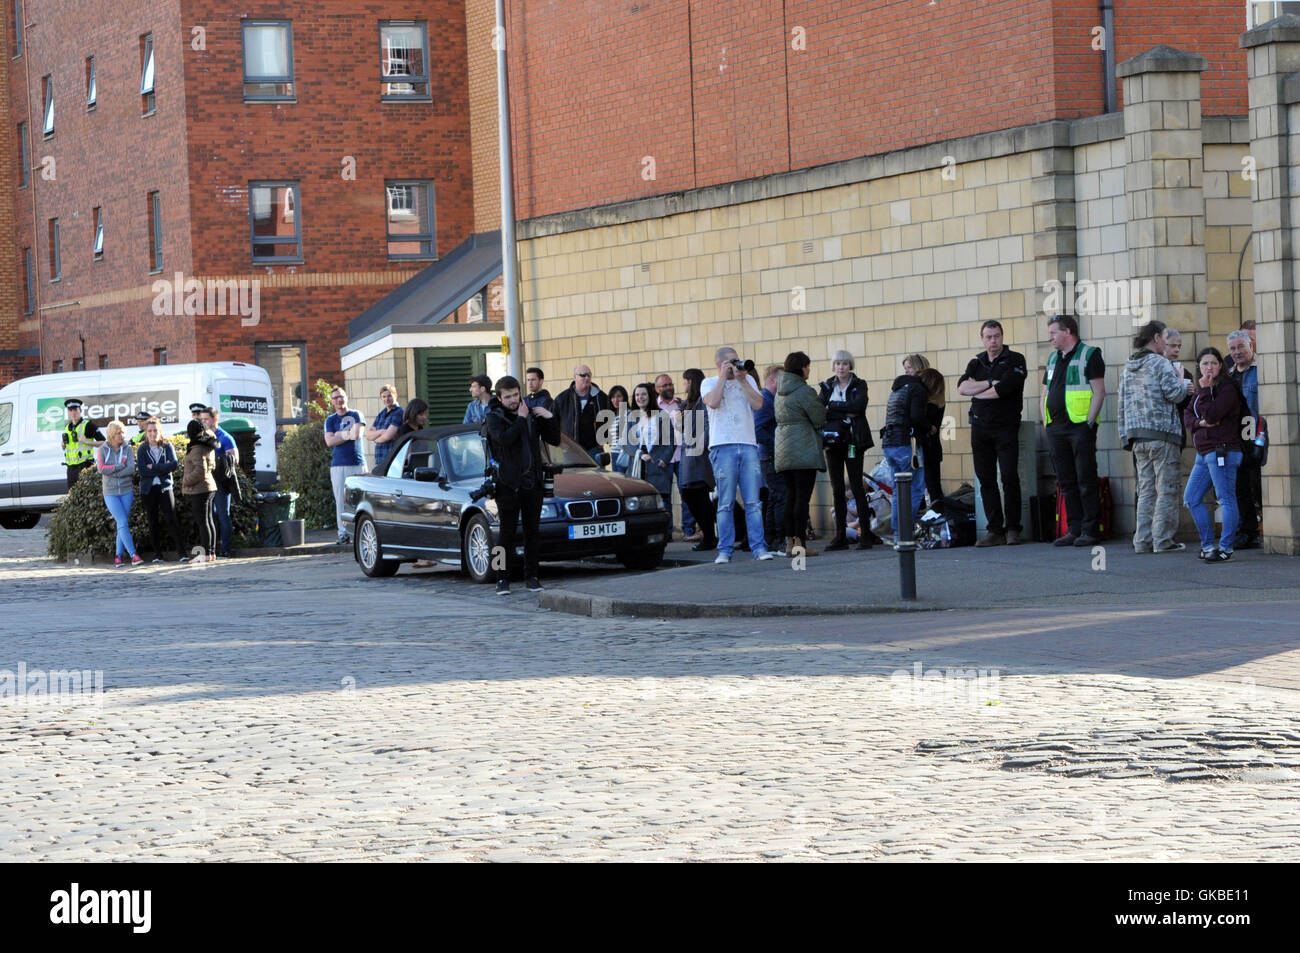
<point>1166,207</point>
<point>1273,59</point>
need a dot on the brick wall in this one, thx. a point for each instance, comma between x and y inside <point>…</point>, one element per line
<point>725,91</point>
<point>481,58</point>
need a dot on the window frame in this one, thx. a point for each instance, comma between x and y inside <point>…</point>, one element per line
<point>262,347</point>
<point>97,242</point>
<point>155,232</point>
<point>47,110</point>
<point>148,66</point>
<point>24,166</point>
<point>160,357</point>
<point>6,420</point>
<point>430,208</point>
<point>18,28</point>
<point>1252,17</point>
<point>412,78</point>
<point>56,254</point>
<point>286,80</point>
<point>255,240</point>
<point>92,84</point>
<point>29,275</point>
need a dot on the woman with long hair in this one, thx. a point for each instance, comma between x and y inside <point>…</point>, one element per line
<point>931,445</point>
<point>651,435</point>
<point>115,461</point>
<point>155,462</point>
<point>199,486</point>
<point>618,427</point>
<point>1213,418</point>
<point>696,480</point>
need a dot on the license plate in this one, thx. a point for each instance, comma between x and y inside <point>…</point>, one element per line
<point>597,530</point>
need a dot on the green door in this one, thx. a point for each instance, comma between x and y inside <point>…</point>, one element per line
<point>443,380</point>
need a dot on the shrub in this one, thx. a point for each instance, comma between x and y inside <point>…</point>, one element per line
<point>82,523</point>
<point>304,463</point>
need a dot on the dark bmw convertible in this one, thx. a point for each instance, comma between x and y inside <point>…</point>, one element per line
<point>427,503</point>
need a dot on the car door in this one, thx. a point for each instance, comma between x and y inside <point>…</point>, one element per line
<point>8,455</point>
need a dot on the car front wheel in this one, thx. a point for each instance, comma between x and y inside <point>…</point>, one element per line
<point>476,549</point>
<point>19,520</point>
<point>368,551</point>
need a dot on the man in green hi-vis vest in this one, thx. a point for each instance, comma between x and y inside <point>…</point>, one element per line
<point>1074,387</point>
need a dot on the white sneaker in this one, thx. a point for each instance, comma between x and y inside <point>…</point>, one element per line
<point>722,558</point>
<point>765,554</point>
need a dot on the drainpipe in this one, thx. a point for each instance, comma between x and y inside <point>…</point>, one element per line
<point>1108,55</point>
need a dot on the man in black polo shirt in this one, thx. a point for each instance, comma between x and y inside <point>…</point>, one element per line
<point>1074,387</point>
<point>995,382</point>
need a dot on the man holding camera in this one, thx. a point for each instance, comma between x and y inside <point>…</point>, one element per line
<point>515,431</point>
<point>731,399</point>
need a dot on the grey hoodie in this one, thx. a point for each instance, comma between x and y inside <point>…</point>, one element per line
<point>116,467</point>
<point>1150,390</point>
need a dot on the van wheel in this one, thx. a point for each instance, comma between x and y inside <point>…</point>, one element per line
<point>369,553</point>
<point>19,520</point>
<point>476,549</point>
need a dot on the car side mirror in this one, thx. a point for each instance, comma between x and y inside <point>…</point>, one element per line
<point>427,475</point>
<point>604,459</point>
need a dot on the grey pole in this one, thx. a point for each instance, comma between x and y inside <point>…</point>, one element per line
<point>906,545</point>
<point>509,280</point>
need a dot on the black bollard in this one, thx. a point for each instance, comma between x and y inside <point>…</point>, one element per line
<point>906,545</point>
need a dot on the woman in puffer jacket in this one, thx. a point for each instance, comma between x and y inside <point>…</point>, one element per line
<point>199,486</point>
<point>800,416</point>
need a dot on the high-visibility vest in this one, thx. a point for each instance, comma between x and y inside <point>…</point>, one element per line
<point>74,451</point>
<point>136,440</point>
<point>1078,392</point>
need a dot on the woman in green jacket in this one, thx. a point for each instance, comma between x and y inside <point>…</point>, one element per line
<point>800,416</point>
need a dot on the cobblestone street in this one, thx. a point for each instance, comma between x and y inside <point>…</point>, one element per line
<point>289,708</point>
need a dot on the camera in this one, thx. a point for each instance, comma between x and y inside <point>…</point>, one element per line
<point>548,481</point>
<point>833,438</point>
<point>488,488</point>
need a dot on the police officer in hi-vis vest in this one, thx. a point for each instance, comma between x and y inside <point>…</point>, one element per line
<point>80,438</point>
<point>141,418</point>
<point>1074,386</point>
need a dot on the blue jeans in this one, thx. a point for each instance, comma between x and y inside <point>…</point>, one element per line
<point>900,459</point>
<point>736,465</point>
<point>120,508</point>
<point>688,521</point>
<point>221,513</point>
<point>1207,471</point>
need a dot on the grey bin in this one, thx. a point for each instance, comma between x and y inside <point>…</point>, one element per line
<point>292,532</point>
<point>274,508</point>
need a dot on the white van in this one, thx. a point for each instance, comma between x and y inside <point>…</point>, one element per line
<point>32,419</point>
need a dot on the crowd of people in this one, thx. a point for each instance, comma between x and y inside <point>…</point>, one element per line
<point>209,484</point>
<point>745,451</point>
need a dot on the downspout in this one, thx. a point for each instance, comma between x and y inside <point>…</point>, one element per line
<point>1108,55</point>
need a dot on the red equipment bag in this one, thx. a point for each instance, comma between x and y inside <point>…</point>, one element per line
<point>1107,510</point>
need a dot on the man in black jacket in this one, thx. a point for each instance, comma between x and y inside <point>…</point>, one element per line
<point>578,408</point>
<point>905,419</point>
<point>995,383</point>
<point>537,394</point>
<point>515,431</point>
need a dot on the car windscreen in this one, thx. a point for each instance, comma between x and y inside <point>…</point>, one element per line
<point>463,455</point>
<point>567,454</point>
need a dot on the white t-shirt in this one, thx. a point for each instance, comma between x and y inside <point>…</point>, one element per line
<point>733,420</point>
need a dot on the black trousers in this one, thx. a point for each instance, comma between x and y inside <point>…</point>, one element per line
<point>798,492</point>
<point>201,510</point>
<point>697,501</point>
<point>932,457</point>
<point>1250,497</point>
<point>1074,454</point>
<point>159,502</point>
<point>837,460</point>
<point>510,505</point>
<point>74,472</point>
<point>997,449</point>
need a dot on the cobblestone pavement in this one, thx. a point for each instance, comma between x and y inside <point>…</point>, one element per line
<point>288,708</point>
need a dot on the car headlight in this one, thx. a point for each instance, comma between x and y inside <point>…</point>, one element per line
<point>549,512</point>
<point>652,501</point>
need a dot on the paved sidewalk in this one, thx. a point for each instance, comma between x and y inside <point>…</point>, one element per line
<point>851,582</point>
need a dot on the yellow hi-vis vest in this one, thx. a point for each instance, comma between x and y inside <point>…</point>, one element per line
<point>74,451</point>
<point>1078,392</point>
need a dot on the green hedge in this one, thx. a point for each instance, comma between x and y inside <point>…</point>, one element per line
<point>82,523</point>
<point>303,460</point>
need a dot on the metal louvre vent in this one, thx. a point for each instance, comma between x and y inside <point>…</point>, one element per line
<point>580,510</point>
<point>607,507</point>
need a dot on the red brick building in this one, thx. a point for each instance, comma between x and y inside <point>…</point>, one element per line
<point>321,152</point>
<point>611,102</point>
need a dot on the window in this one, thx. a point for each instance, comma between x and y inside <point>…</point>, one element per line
<point>404,60</point>
<point>79,364</point>
<point>410,219</point>
<point>286,364</point>
<point>22,155</point>
<point>477,305</point>
<point>1261,11</point>
<point>57,367</point>
<point>29,275</point>
<point>47,96</point>
<point>99,234</point>
<point>268,61</point>
<point>276,230</point>
<point>463,454</point>
<point>18,28</point>
<point>90,82</point>
<point>56,266</point>
<point>6,422</point>
<point>146,74</point>
<point>103,362</point>
<point>155,233</point>
<point>160,356</point>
